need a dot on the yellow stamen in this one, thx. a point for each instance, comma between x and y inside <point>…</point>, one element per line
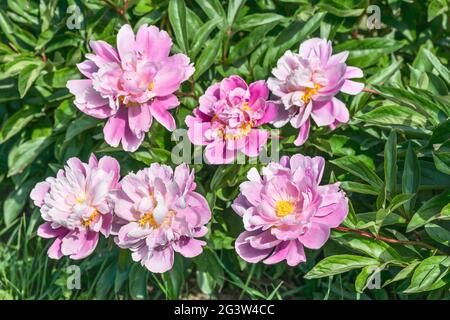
<point>283,208</point>
<point>151,86</point>
<point>244,130</point>
<point>87,222</point>
<point>80,200</point>
<point>246,107</point>
<point>310,92</point>
<point>148,218</point>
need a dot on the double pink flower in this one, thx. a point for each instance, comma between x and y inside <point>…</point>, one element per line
<point>286,209</point>
<point>307,84</point>
<point>159,213</point>
<point>132,85</point>
<point>77,206</point>
<point>228,118</point>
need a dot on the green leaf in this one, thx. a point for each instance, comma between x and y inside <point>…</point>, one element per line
<point>79,125</point>
<point>223,176</point>
<point>14,67</point>
<point>403,274</point>
<point>422,101</point>
<point>201,36</point>
<point>356,166</point>
<point>250,42</point>
<point>207,263</point>
<point>257,19</point>
<point>365,276</point>
<point>15,201</point>
<point>212,8</point>
<point>233,9</point>
<point>6,27</point>
<point>359,188</point>
<point>382,75</point>
<point>105,282</point>
<point>19,120</point>
<point>174,278</point>
<point>390,164</point>
<point>438,233</point>
<point>428,274</point>
<point>339,264</point>
<point>27,77</point>
<point>441,133</point>
<point>393,115</point>
<point>292,35</point>
<point>208,55</point>
<point>429,211</point>
<point>137,283</point>
<point>442,161</point>
<point>24,154</point>
<point>374,248</point>
<point>443,71</point>
<point>410,177</point>
<point>339,9</point>
<point>177,18</point>
<point>399,200</point>
<point>366,52</point>
<point>436,8</point>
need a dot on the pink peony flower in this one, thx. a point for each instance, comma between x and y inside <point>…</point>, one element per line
<point>76,206</point>
<point>307,83</point>
<point>228,118</point>
<point>286,210</point>
<point>132,85</point>
<point>158,212</point>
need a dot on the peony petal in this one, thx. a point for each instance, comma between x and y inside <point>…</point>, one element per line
<point>152,43</point>
<point>114,129</point>
<point>352,87</point>
<point>160,260</point>
<point>256,139</point>
<point>89,245</point>
<point>258,89</point>
<point>139,118</point>
<point>109,164</point>
<point>125,41</point>
<point>189,247</point>
<point>164,117</point>
<point>316,236</point>
<point>217,153</point>
<point>38,193</point>
<point>303,134</point>
<point>105,51</point>
<point>246,251</point>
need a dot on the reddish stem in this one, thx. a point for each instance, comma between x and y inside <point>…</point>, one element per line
<point>370,91</point>
<point>385,239</point>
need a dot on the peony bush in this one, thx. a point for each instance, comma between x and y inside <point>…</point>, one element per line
<point>299,150</point>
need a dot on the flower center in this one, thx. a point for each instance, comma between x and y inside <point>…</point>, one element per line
<point>244,130</point>
<point>148,219</point>
<point>283,208</point>
<point>309,92</point>
<point>151,86</point>
<point>87,222</point>
<point>246,107</point>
